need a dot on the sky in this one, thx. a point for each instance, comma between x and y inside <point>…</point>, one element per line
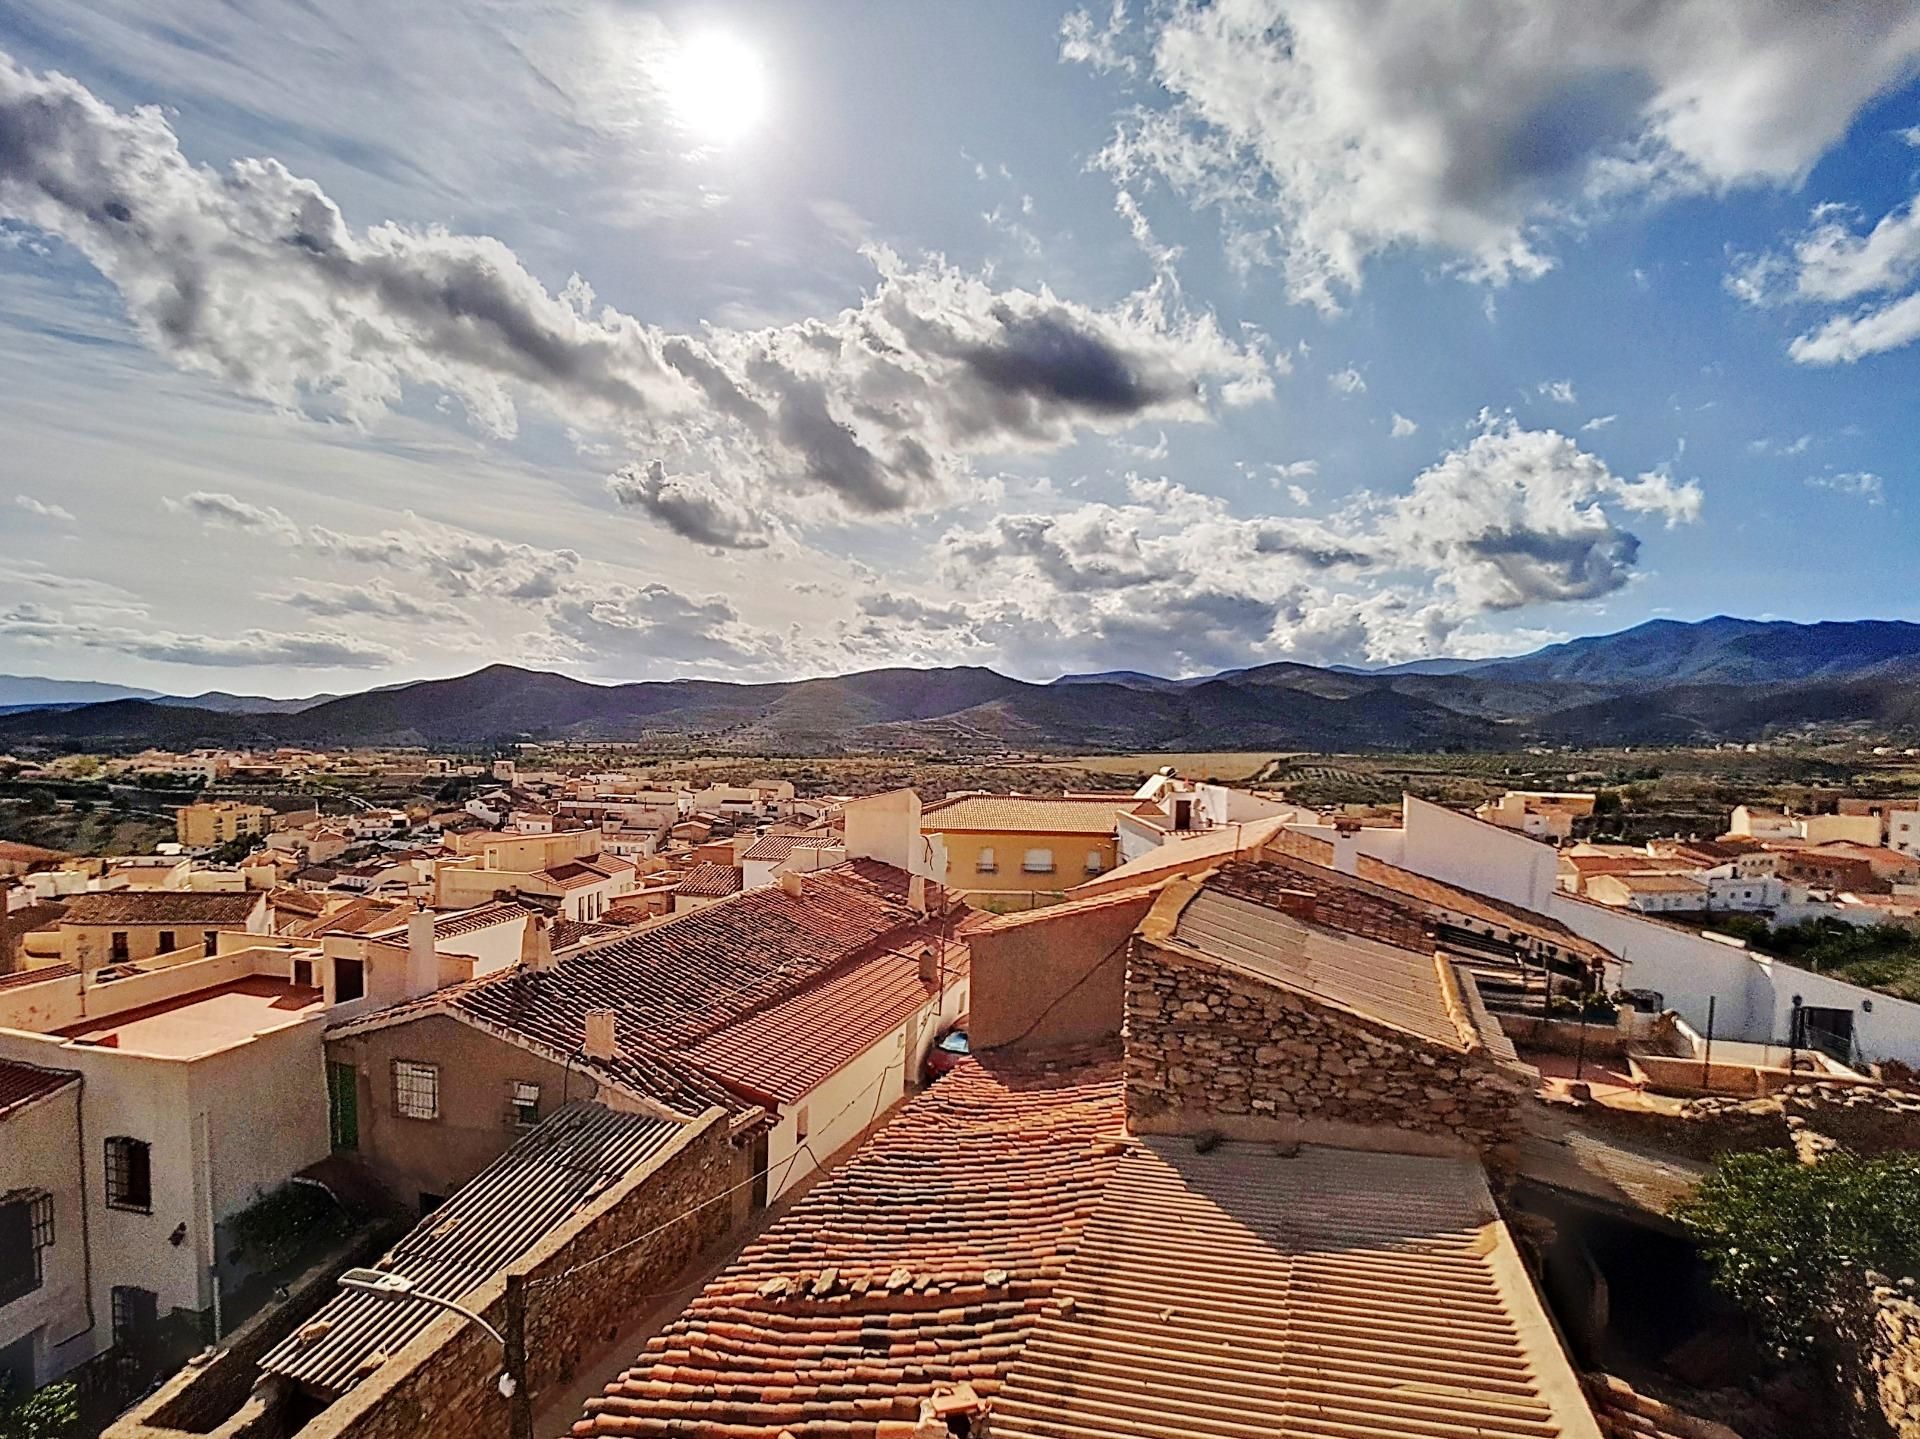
<point>353,343</point>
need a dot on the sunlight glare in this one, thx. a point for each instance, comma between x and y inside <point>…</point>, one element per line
<point>716,86</point>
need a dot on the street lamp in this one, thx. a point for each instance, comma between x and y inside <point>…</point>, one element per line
<point>384,1284</point>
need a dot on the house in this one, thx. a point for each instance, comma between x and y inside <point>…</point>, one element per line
<point>1167,807</point>
<point>1648,893</point>
<point>1542,814</point>
<point>200,1088</point>
<point>763,859</point>
<point>1752,821</point>
<point>1024,844</point>
<point>437,1085</point>
<point>212,823</point>
<point>129,925</point>
<point>43,1262</point>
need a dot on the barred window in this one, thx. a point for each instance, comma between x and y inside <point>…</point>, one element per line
<point>129,1174</point>
<point>416,1089</point>
<point>526,1104</point>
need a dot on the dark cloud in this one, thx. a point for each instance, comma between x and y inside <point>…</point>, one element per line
<point>689,505</point>
<point>1048,357</point>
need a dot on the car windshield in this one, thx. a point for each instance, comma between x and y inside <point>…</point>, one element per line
<point>956,1042</point>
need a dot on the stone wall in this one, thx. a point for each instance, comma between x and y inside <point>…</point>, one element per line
<point>1874,1344</point>
<point>1867,1121</point>
<point>1211,1049</point>
<point>442,1385</point>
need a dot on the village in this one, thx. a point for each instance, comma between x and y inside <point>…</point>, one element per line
<point>737,1110</point>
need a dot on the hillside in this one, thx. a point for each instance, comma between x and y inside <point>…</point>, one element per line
<point>1663,682</point>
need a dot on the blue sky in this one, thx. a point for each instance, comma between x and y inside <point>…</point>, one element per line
<point>746,341</point>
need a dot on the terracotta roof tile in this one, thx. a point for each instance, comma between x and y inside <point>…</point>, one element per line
<point>779,846</point>
<point>161,906</point>
<point>22,1084</point>
<point>1023,814</point>
<point>1335,1292</point>
<point>781,1054</point>
<point>671,985</point>
<point>710,881</point>
<point>923,1261</point>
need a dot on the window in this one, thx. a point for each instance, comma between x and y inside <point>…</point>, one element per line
<point>136,1314</point>
<point>167,946</point>
<point>801,1120</point>
<point>349,979</point>
<point>26,1232</point>
<point>416,1089</point>
<point>1095,861</point>
<point>526,1104</point>
<point>1038,861</point>
<point>210,942</point>
<point>985,863</point>
<point>117,947</point>
<point>129,1174</point>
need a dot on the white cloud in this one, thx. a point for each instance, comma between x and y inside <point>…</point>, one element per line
<point>1329,131</point>
<point>1089,42</point>
<point>1835,263</point>
<point>34,625</point>
<point>1766,445</point>
<point>42,509</point>
<point>1173,581</point>
<point>1861,484</point>
<point>1348,381</point>
<point>1598,422</point>
<point>1559,391</point>
<point>1294,470</point>
<point>1299,495</point>
<point>254,276</point>
<point>1403,427</point>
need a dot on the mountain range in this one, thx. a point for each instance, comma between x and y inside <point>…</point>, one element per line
<point>1665,681</point>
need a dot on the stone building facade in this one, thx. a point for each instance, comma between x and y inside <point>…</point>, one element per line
<point>1209,1048</point>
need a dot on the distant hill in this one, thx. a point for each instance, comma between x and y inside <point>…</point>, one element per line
<point>23,691</point>
<point>1663,682</point>
<point>1721,650</point>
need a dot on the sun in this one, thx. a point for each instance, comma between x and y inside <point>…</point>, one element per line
<point>716,86</point>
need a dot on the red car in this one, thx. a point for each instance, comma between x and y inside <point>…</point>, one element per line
<point>947,1052</point>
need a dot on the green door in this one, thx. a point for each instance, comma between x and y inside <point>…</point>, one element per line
<point>343,1105</point>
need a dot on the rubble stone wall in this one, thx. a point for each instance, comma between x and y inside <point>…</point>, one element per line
<point>1874,1341</point>
<point>1211,1049</point>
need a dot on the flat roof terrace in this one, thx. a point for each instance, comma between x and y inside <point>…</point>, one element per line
<point>202,1022</point>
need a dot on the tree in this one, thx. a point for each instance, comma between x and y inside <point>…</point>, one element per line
<point>235,850</point>
<point>49,1413</point>
<point>1777,1231</point>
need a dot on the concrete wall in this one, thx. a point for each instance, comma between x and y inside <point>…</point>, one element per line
<point>1052,978</point>
<point>222,1128</point>
<point>1481,857</point>
<point>1070,861</point>
<point>886,827</point>
<point>40,1152</point>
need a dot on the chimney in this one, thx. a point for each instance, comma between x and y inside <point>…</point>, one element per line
<point>1299,903</point>
<point>536,945</point>
<point>929,964</point>
<point>790,884</point>
<point>917,893</point>
<point>601,1041</point>
<point>423,961</point>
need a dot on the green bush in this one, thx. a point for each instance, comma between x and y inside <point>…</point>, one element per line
<point>1776,1231</point>
<point>49,1413</point>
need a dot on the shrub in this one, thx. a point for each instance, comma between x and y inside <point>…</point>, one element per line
<point>1776,1231</point>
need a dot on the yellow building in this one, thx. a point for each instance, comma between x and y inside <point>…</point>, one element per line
<point>213,822</point>
<point>1018,844</point>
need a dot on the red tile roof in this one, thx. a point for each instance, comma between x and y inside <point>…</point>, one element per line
<point>781,1054</point>
<point>161,906</point>
<point>23,1084</point>
<point>923,1261</point>
<point>710,881</point>
<point>671,985</point>
<point>35,976</point>
<point>1026,814</point>
<point>779,846</point>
